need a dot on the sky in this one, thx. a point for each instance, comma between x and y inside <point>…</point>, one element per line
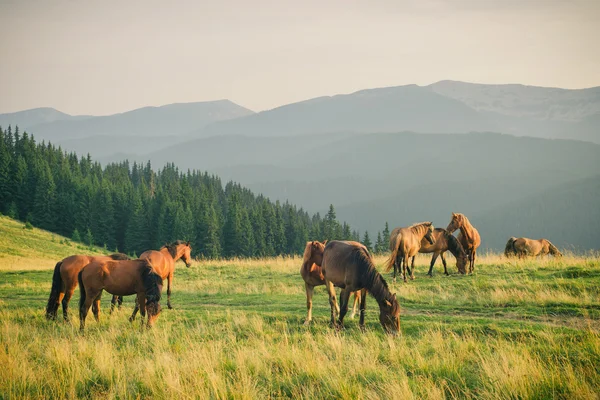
<point>103,57</point>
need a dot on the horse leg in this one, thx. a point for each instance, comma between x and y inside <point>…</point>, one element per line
<point>309,294</point>
<point>85,308</point>
<point>444,263</point>
<point>96,307</point>
<point>65,303</point>
<point>344,297</point>
<point>404,266</point>
<point>473,261</point>
<point>135,310</point>
<point>355,304</point>
<point>113,303</point>
<point>395,268</point>
<point>169,281</point>
<point>432,263</point>
<point>363,307</point>
<point>141,302</point>
<point>412,269</point>
<point>332,301</point>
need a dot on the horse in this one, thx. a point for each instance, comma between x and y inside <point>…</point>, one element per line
<point>312,274</point>
<point>444,241</point>
<point>468,237</point>
<point>64,281</point>
<point>121,278</point>
<point>163,262</point>
<point>405,243</point>
<point>349,266</point>
<point>523,247</point>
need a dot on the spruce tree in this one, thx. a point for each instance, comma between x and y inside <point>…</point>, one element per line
<point>367,241</point>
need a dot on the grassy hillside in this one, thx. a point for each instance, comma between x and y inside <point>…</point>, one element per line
<point>513,330</point>
<point>30,249</point>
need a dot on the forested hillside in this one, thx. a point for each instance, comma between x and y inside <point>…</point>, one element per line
<point>132,208</point>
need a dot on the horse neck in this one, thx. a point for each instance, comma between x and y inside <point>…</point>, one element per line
<point>420,231</point>
<point>466,228</point>
<point>166,253</point>
<point>377,288</point>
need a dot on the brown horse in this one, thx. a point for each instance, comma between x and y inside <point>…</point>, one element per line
<point>524,247</point>
<point>349,266</point>
<point>444,241</point>
<point>405,243</point>
<point>64,281</point>
<point>163,262</point>
<point>121,278</point>
<point>468,237</point>
<point>312,274</point>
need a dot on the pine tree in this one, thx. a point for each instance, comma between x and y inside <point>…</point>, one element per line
<point>367,241</point>
<point>89,239</point>
<point>385,235</point>
<point>76,237</point>
<point>379,246</point>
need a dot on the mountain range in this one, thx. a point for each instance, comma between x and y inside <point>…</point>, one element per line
<point>398,154</point>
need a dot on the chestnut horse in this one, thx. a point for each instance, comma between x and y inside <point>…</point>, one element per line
<point>120,278</point>
<point>349,266</point>
<point>405,243</point>
<point>312,274</point>
<point>468,237</point>
<point>163,262</point>
<point>64,281</point>
<point>523,247</point>
<point>444,241</point>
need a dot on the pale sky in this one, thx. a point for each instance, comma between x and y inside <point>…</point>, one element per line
<point>102,57</point>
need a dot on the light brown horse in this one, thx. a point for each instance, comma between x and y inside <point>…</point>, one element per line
<point>523,247</point>
<point>120,278</point>
<point>64,280</point>
<point>163,262</point>
<point>349,266</point>
<point>405,243</point>
<point>444,241</point>
<point>468,237</point>
<point>312,274</point>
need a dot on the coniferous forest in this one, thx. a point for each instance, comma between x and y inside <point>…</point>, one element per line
<point>132,208</point>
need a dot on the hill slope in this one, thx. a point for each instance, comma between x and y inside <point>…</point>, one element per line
<point>34,248</point>
<point>28,118</point>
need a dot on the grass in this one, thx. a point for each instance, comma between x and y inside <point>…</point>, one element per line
<point>525,329</point>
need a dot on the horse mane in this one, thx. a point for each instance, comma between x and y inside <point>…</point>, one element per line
<point>454,245</point>
<point>172,247</point>
<point>152,283</point>
<point>418,224</point>
<point>553,249</point>
<point>119,257</point>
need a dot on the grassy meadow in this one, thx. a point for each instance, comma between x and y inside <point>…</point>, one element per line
<point>515,329</point>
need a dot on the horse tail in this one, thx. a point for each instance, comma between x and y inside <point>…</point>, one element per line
<point>510,250</point>
<point>390,262</point>
<point>52,306</point>
<point>81,289</point>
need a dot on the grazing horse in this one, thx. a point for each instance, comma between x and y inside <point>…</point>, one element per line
<point>163,262</point>
<point>121,278</point>
<point>64,281</point>
<point>509,249</point>
<point>523,247</point>
<point>405,243</point>
<point>444,241</point>
<point>312,274</point>
<point>468,237</point>
<point>349,266</point>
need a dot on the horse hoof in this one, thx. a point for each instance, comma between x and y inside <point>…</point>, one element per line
<point>307,322</point>
<point>170,307</point>
<point>363,328</point>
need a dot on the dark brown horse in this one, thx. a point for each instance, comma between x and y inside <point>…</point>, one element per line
<point>468,237</point>
<point>405,243</point>
<point>349,266</point>
<point>163,262</point>
<point>120,278</point>
<point>444,241</point>
<point>523,247</point>
<point>64,281</point>
<point>312,274</point>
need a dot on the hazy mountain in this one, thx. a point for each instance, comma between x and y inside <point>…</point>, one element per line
<point>568,215</point>
<point>390,109</point>
<point>169,120</point>
<point>28,118</point>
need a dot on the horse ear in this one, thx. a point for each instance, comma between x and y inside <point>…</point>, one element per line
<point>387,302</point>
<point>188,243</point>
<point>454,214</point>
<point>324,242</point>
<point>394,296</point>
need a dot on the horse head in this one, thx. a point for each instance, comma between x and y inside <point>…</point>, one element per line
<point>455,223</point>
<point>389,315</point>
<point>429,233</point>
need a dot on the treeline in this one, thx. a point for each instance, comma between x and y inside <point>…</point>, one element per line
<point>131,208</point>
